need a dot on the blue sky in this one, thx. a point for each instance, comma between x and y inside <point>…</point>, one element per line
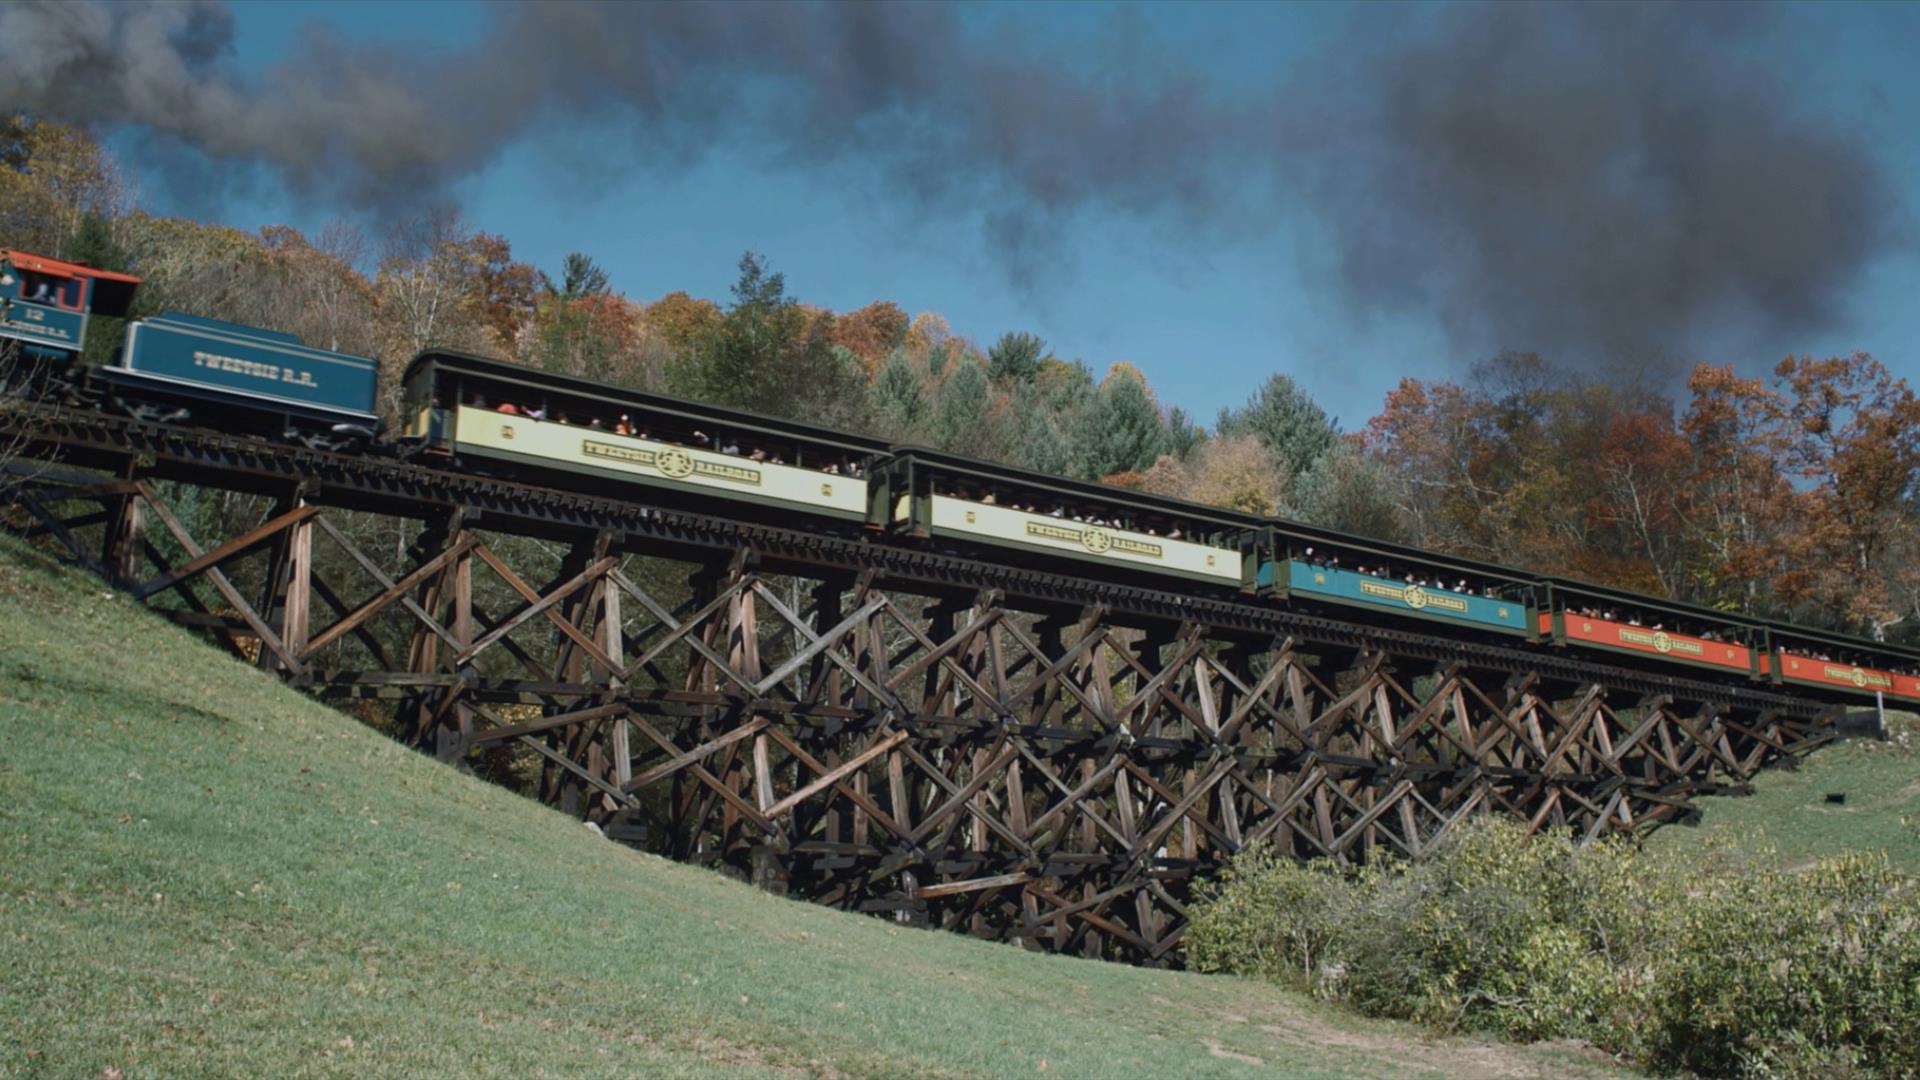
<point>1206,317</point>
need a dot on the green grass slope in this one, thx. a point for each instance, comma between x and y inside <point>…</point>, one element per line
<point>1789,812</point>
<point>202,873</point>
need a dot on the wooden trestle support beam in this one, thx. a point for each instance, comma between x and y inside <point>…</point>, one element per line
<point>957,758</point>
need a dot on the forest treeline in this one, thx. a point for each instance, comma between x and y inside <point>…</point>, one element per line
<point>1795,495</point>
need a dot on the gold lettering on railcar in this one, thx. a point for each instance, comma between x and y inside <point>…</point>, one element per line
<point>1413,596</point>
<point>720,470</point>
<point>672,462</point>
<point>1661,642</point>
<point>1053,532</point>
<point>589,448</point>
<point>1096,540</point>
<point>1860,677</point>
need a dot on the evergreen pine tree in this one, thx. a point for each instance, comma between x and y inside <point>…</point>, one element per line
<point>960,411</point>
<point>1120,432</point>
<point>900,409</point>
<point>1015,357</point>
<point>1286,420</point>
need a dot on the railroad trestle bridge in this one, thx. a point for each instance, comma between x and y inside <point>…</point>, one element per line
<point>1023,754</point>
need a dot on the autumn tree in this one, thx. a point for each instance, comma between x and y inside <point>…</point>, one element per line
<point>318,292</point>
<point>505,289</point>
<point>209,270</point>
<point>595,336</point>
<point>1428,437</point>
<point>1536,467</point>
<point>871,333</point>
<point>1852,431</point>
<point>679,322</point>
<point>1234,472</point>
<point>429,294</point>
<point>1740,499</point>
<point>53,177</point>
<point>928,331</point>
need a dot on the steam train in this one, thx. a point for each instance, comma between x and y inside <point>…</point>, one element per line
<point>476,414</point>
<point>180,368</point>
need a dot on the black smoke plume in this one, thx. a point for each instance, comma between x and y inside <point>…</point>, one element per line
<point>1598,180</point>
<point>1593,178</point>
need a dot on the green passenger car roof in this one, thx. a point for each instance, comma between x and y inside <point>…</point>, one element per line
<point>1080,489</point>
<point>715,415</point>
<point>1321,535</point>
<point>1588,590</point>
<point>1827,637</point>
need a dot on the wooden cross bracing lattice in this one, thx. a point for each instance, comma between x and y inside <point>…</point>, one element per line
<point>1055,775</point>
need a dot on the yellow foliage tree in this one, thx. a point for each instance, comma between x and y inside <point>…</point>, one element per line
<point>1236,472</point>
<point>57,175</point>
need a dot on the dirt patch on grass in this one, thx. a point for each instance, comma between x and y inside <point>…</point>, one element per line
<point>1225,1054</point>
<point>726,1052</point>
<point>1390,1052</point>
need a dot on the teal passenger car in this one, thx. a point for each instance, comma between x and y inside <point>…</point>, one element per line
<point>1300,564</point>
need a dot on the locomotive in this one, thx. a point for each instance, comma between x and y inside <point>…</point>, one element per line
<point>178,368</point>
<point>477,414</point>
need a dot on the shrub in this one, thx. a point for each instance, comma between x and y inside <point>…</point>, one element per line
<point>1714,962</point>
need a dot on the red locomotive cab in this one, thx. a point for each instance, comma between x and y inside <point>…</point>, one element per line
<point>37,279</point>
<point>45,304</point>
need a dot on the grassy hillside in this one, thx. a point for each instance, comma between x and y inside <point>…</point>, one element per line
<point>1789,809</point>
<point>203,873</point>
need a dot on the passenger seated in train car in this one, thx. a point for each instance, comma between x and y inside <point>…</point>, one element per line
<point>1453,583</point>
<point>1107,517</point>
<point>765,448</point>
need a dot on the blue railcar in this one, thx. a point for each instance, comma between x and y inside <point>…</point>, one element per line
<point>1505,615</point>
<point>1299,563</point>
<point>209,370</point>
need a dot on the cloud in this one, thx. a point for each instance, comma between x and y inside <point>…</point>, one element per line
<point>1602,178</point>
